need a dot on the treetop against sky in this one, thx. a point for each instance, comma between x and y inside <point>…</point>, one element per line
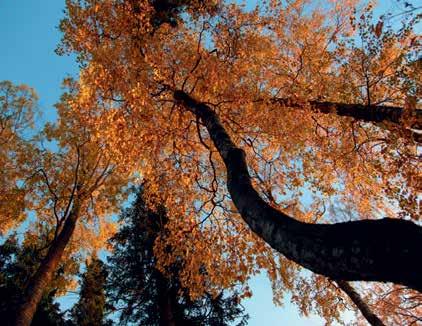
<point>246,112</point>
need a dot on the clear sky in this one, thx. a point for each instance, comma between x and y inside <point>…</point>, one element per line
<point>28,37</point>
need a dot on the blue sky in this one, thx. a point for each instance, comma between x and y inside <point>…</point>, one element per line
<point>28,36</point>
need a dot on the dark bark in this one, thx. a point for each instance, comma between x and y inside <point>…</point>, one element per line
<point>360,112</point>
<point>39,282</point>
<point>164,301</point>
<point>360,304</point>
<point>386,250</point>
<point>368,113</point>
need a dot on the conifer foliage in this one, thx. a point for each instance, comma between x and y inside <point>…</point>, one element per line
<point>90,308</point>
<point>144,294</point>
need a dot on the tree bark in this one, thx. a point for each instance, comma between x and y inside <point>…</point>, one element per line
<point>360,304</point>
<point>165,302</point>
<point>369,113</point>
<point>386,250</point>
<point>361,112</point>
<point>41,279</point>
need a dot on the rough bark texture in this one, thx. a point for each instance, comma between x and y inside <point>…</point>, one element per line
<point>386,250</point>
<point>42,278</point>
<point>360,304</point>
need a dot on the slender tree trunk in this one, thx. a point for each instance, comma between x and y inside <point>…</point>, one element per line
<point>362,112</point>
<point>369,113</point>
<point>165,302</point>
<point>360,304</point>
<point>40,281</point>
<point>392,115</point>
<point>166,314</point>
<point>386,250</point>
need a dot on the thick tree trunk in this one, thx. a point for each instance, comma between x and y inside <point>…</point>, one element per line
<point>386,250</point>
<point>360,304</point>
<point>40,281</point>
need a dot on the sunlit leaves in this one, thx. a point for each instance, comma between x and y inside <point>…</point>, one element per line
<point>17,109</point>
<point>321,167</point>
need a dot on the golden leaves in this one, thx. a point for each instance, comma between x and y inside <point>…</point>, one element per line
<point>238,62</point>
<point>17,110</point>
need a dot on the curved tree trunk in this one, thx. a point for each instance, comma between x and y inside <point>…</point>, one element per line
<point>386,250</point>
<point>360,304</point>
<point>40,281</point>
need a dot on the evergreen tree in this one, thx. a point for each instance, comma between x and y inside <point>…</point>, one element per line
<point>17,264</point>
<point>142,294</point>
<point>90,308</point>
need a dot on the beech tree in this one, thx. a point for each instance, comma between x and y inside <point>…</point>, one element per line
<point>71,186</point>
<point>280,105</point>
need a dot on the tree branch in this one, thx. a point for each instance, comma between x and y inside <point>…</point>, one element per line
<point>386,250</point>
<point>362,112</point>
<point>360,304</point>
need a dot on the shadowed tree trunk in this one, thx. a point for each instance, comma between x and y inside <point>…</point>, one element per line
<point>386,250</point>
<point>35,289</point>
<point>165,302</point>
<point>360,304</point>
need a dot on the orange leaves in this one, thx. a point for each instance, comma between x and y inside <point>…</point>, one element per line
<point>238,62</point>
<point>17,111</point>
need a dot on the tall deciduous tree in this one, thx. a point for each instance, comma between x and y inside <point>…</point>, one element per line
<point>144,294</point>
<point>280,105</point>
<point>74,187</point>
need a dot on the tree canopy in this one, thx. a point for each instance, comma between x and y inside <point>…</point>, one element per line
<point>281,138</point>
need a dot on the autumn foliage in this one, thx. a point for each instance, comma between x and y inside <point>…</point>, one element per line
<point>322,99</point>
